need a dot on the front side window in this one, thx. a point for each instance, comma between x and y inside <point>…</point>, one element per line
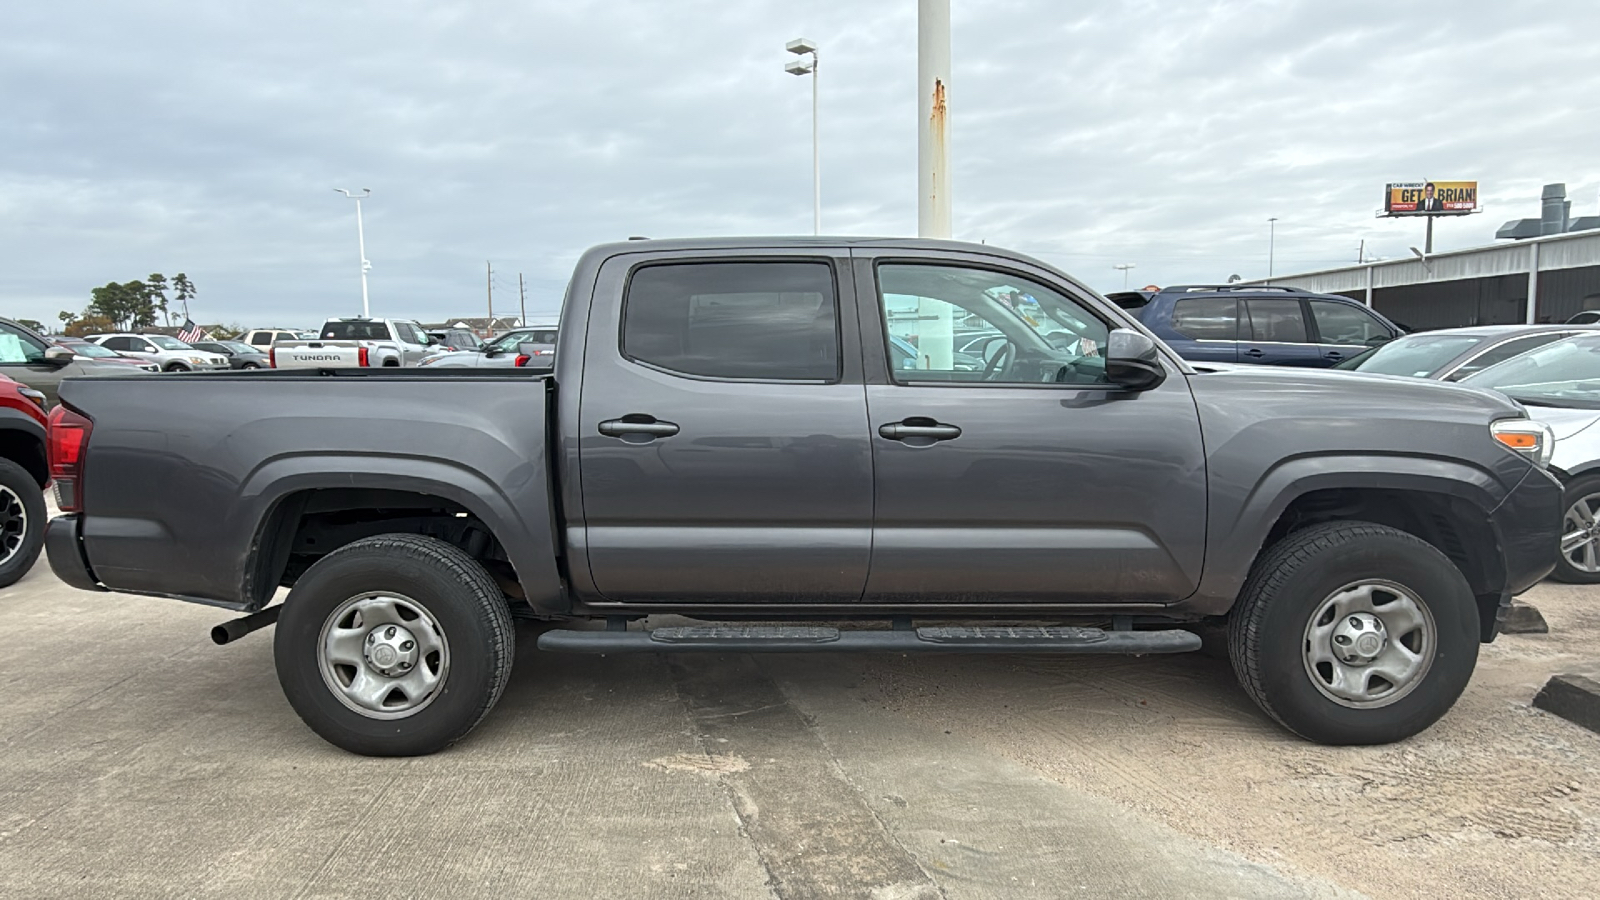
<point>1563,374</point>
<point>758,320</point>
<point>17,347</point>
<point>1276,321</point>
<point>953,324</point>
<point>1207,318</point>
<point>1346,325</point>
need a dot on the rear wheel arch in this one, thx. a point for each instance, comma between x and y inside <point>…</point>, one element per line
<point>24,445</point>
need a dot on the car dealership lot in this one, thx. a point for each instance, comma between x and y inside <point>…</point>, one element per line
<point>141,760</point>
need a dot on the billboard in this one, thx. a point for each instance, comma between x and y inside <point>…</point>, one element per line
<point>1431,198</point>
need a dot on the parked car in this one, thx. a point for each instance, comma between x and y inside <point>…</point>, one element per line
<point>356,342</point>
<point>1451,354</point>
<point>1254,324</point>
<point>240,355</point>
<point>263,338</point>
<point>450,340</point>
<point>724,437</point>
<point>39,363</point>
<point>24,474</point>
<point>1559,383</point>
<point>501,352</point>
<point>171,354</point>
<point>91,350</point>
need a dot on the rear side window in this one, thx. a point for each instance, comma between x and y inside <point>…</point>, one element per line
<point>1276,321</point>
<point>1207,318</point>
<point>261,338</point>
<point>764,320</point>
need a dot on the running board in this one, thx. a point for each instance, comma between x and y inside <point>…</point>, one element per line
<point>826,639</point>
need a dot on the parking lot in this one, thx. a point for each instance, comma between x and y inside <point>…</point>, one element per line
<point>141,760</point>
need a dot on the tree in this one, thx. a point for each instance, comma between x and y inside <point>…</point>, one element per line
<point>127,306</point>
<point>185,289</point>
<point>225,332</point>
<point>35,324</point>
<point>89,323</point>
<point>156,286</point>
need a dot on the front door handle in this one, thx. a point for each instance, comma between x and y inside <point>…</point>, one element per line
<point>637,428</point>
<point>1256,352</point>
<point>920,430</point>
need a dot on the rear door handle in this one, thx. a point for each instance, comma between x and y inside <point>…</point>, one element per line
<point>638,428</point>
<point>1256,352</point>
<point>919,429</point>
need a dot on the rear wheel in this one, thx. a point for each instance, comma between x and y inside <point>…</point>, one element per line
<point>1354,633</point>
<point>394,645</point>
<point>22,521</point>
<point>1579,560</point>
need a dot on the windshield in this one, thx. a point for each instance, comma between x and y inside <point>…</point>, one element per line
<point>1419,355</point>
<point>1565,373</point>
<point>511,339</point>
<point>91,350</point>
<point>167,343</point>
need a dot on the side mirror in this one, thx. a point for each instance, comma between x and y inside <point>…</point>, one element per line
<point>58,356</point>
<point>1133,361</point>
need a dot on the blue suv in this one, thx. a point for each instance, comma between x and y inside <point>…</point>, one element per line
<point>1275,326</point>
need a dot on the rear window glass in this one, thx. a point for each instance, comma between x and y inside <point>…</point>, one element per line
<point>1207,318</point>
<point>766,320</point>
<point>355,331</point>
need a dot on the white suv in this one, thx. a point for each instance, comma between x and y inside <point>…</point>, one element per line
<point>171,354</point>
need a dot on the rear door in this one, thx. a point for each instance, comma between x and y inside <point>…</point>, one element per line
<point>413,345</point>
<point>1032,480</point>
<point>1272,331</point>
<point>722,432</point>
<point>1345,330</point>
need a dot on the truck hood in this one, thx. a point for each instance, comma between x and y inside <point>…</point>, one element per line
<point>1383,395</point>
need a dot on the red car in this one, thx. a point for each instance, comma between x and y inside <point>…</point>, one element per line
<point>24,473</point>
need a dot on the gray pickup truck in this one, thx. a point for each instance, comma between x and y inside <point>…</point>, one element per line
<point>726,436</point>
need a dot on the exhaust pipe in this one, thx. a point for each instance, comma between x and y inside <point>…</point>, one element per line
<point>231,631</point>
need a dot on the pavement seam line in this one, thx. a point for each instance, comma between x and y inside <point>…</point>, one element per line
<point>844,776</point>
<point>350,833</point>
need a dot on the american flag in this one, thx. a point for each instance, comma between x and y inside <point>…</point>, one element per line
<point>191,332</point>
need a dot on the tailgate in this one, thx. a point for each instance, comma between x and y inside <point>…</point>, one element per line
<point>316,354</point>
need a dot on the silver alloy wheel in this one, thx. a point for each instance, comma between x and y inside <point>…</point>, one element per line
<point>383,655</point>
<point>1580,534</point>
<point>1369,644</point>
<point>13,524</point>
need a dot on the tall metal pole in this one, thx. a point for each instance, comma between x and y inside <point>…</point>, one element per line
<point>1272,243</point>
<point>933,109</point>
<point>816,152</point>
<point>1427,245</point>
<point>1124,267</point>
<point>361,245</point>
<point>488,281</point>
<point>522,302</point>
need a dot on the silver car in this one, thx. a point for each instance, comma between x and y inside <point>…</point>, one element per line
<point>1559,383</point>
<point>502,351</point>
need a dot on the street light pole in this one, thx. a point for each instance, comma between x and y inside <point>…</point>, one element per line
<point>933,112</point>
<point>361,245</point>
<point>1124,267</point>
<point>1272,243</point>
<point>803,47</point>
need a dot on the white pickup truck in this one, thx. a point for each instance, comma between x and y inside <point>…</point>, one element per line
<point>349,343</point>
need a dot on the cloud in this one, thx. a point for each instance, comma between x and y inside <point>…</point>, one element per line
<point>206,138</point>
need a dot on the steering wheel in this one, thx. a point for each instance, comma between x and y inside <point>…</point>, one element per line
<point>1001,361</point>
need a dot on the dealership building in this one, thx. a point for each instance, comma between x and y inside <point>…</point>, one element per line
<point>1547,271</point>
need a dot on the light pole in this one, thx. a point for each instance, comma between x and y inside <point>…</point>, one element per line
<point>361,244</point>
<point>933,114</point>
<point>1124,267</point>
<point>1272,243</point>
<point>802,47</point>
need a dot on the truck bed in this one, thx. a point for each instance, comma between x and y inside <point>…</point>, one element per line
<point>183,471</point>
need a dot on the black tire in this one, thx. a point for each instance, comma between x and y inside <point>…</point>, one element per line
<point>463,600</point>
<point>1289,583</point>
<point>16,480</point>
<point>1574,491</point>
<point>176,367</point>
<point>249,365</point>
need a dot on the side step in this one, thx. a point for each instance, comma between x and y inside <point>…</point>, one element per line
<point>827,639</point>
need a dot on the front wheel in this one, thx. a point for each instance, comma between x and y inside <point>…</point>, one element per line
<point>22,521</point>
<point>394,645</point>
<point>176,367</point>
<point>1354,633</point>
<point>1579,559</point>
<point>249,365</point>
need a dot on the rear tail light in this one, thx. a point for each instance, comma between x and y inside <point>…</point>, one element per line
<point>272,357</point>
<point>69,437</point>
<point>361,356</point>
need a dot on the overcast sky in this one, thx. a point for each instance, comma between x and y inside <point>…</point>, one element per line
<point>206,137</point>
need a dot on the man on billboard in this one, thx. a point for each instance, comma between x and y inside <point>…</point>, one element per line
<point>1430,203</point>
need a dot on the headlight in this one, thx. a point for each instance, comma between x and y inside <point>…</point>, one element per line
<point>1527,438</point>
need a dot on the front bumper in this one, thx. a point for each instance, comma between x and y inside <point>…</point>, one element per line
<point>1527,526</point>
<point>63,544</point>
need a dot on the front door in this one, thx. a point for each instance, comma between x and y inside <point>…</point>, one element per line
<point>723,434</point>
<point>1029,479</point>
